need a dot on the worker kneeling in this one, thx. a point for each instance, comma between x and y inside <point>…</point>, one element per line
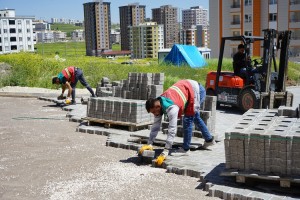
<point>184,97</point>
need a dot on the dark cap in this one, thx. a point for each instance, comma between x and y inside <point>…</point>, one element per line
<point>241,46</point>
<point>54,80</point>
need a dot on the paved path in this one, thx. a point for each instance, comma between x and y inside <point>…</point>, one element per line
<point>202,164</point>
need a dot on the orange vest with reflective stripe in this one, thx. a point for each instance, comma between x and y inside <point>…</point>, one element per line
<point>182,94</point>
<point>69,74</point>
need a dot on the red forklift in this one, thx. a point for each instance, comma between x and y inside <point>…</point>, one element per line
<point>267,87</point>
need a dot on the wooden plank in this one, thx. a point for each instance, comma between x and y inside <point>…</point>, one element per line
<point>241,177</point>
<point>109,123</point>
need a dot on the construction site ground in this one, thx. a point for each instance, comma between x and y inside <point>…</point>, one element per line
<point>45,156</point>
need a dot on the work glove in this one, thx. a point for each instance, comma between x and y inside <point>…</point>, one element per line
<point>161,158</point>
<point>145,147</point>
<point>68,100</point>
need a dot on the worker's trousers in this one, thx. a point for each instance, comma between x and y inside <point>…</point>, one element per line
<point>189,120</point>
<point>79,77</point>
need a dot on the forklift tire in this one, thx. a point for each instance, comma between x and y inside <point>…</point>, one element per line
<point>247,100</point>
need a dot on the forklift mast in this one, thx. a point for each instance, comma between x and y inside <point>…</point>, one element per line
<point>268,52</point>
<point>283,43</point>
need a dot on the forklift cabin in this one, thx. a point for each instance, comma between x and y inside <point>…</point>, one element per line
<point>267,87</point>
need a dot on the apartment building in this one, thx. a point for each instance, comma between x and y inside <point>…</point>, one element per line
<point>65,21</point>
<point>146,40</point>
<point>16,32</point>
<point>97,23</point>
<point>130,15</point>
<point>250,17</point>
<point>77,35</point>
<point>167,16</point>
<point>196,35</point>
<point>194,16</point>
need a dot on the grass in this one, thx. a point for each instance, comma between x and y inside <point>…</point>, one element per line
<point>66,49</point>
<point>68,28</point>
<point>36,70</point>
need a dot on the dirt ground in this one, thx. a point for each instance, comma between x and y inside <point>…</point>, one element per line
<point>43,157</point>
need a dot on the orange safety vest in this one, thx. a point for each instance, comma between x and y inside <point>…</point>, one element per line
<point>69,74</point>
<point>182,94</point>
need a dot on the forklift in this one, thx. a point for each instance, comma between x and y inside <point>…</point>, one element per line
<point>267,87</point>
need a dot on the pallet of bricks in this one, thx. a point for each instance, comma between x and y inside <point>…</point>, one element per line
<point>265,144</point>
<point>123,102</point>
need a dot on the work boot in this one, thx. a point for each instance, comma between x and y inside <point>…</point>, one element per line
<point>209,143</point>
<point>180,151</point>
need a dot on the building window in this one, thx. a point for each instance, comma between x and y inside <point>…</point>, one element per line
<point>0,48</point>
<point>273,17</point>
<point>4,30</point>
<point>28,30</point>
<point>236,33</point>
<point>20,39</point>
<point>235,20</point>
<point>19,30</point>
<point>12,22</point>
<point>248,33</point>
<point>248,2</point>
<point>12,30</point>
<point>7,48</point>
<point>271,2</point>
<point>28,39</point>
<point>13,39</point>
<point>19,22</point>
<point>14,47</point>
<point>27,22</point>
<point>248,18</point>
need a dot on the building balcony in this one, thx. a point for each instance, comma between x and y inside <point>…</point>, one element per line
<point>235,24</point>
<point>295,7</point>
<point>295,2</point>
<point>235,5</point>
<point>294,23</point>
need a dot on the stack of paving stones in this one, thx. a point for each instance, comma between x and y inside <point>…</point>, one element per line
<point>265,142</point>
<point>140,86</point>
<point>118,109</point>
<point>208,115</point>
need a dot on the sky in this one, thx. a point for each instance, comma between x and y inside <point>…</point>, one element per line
<point>73,9</point>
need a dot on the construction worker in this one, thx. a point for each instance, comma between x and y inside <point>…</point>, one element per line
<point>242,65</point>
<point>69,78</point>
<point>184,97</point>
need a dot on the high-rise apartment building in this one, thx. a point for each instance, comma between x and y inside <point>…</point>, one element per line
<point>196,35</point>
<point>194,16</point>
<point>97,22</point>
<point>16,32</point>
<point>250,17</point>
<point>130,15</point>
<point>167,16</point>
<point>146,40</point>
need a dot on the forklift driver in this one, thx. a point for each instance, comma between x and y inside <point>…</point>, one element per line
<point>240,64</point>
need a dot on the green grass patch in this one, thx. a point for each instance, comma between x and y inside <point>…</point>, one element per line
<point>68,28</point>
<point>37,70</point>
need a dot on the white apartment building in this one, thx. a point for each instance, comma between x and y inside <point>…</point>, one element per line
<point>194,16</point>
<point>16,32</point>
<point>46,36</point>
<point>115,37</point>
<point>146,40</point>
<point>250,17</point>
<point>77,35</point>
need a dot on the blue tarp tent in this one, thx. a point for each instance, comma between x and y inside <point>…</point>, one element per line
<point>185,55</point>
